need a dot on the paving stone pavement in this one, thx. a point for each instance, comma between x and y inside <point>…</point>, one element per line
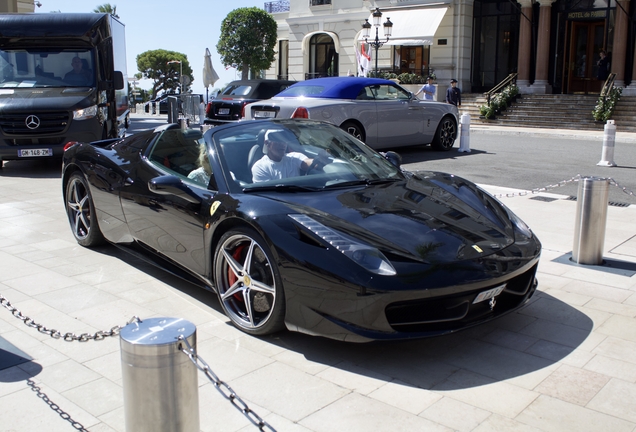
<point>565,362</point>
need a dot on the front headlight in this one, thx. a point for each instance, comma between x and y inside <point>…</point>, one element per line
<point>85,113</point>
<point>362,254</point>
<point>520,225</point>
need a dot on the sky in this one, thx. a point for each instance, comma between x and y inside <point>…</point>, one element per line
<point>185,26</point>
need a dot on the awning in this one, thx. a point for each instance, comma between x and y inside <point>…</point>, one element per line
<point>411,26</point>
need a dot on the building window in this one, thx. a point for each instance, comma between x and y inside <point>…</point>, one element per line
<point>412,59</point>
<point>495,43</point>
<point>323,58</point>
<point>319,2</point>
<point>283,59</point>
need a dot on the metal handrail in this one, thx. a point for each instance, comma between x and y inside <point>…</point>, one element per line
<point>608,85</point>
<point>504,83</point>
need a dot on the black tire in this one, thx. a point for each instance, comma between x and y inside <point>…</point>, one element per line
<point>248,283</point>
<point>354,130</point>
<point>445,135</point>
<point>81,212</point>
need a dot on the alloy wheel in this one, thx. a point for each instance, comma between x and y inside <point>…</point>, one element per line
<point>79,209</point>
<point>245,282</point>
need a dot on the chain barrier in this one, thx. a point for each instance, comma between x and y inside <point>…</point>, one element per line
<point>77,425</point>
<point>562,183</point>
<point>55,334</point>
<point>224,388</point>
<point>539,190</point>
<point>624,189</point>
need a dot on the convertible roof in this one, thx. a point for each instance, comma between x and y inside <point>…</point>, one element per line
<point>332,87</point>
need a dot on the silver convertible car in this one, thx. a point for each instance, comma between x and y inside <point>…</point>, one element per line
<point>376,111</point>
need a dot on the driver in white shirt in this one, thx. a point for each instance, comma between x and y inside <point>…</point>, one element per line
<point>276,163</point>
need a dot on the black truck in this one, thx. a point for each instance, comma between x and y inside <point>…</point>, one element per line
<point>62,79</point>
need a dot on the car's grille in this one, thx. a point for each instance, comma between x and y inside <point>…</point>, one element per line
<point>35,141</point>
<point>454,312</point>
<point>51,122</point>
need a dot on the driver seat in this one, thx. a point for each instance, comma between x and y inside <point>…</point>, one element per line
<point>257,151</point>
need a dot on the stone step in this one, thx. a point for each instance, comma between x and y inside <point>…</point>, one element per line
<point>553,111</point>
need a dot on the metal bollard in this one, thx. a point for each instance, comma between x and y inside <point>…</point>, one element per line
<point>464,140</point>
<point>161,391</point>
<point>591,219</point>
<point>201,113</point>
<point>609,138</point>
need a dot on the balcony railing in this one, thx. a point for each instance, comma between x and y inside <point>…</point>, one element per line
<point>277,6</point>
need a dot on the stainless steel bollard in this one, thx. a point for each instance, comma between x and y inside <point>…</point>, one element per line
<point>591,219</point>
<point>161,391</point>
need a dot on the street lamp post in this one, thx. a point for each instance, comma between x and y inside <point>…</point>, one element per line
<point>180,74</point>
<point>377,43</point>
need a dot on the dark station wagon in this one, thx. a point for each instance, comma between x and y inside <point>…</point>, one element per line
<point>228,106</point>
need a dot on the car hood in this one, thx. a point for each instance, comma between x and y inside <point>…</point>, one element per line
<point>434,218</point>
<point>30,99</point>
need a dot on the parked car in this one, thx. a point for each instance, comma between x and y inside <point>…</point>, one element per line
<point>350,248</point>
<point>376,111</point>
<point>151,106</point>
<point>227,106</point>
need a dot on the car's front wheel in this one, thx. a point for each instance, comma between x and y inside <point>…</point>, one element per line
<point>353,129</point>
<point>248,282</point>
<point>80,210</point>
<point>445,135</point>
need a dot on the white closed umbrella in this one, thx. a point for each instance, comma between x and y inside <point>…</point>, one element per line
<point>209,74</point>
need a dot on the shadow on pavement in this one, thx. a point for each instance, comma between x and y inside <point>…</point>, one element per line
<point>540,334</point>
<point>416,154</point>
<point>32,168</point>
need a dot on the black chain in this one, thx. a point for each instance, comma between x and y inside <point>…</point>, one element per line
<point>77,425</point>
<point>224,388</point>
<point>55,334</point>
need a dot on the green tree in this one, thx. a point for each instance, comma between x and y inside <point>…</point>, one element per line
<point>154,65</point>
<point>107,8</point>
<point>248,38</point>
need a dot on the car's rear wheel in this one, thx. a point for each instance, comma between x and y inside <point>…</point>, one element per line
<point>248,282</point>
<point>445,135</point>
<point>80,210</point>
<point>353,129</point>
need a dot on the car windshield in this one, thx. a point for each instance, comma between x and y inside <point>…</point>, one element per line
<point>237,90</point>
<point>46,68</point>
<point>293,155</point>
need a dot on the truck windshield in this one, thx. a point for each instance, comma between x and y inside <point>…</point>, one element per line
<point>50,68</point>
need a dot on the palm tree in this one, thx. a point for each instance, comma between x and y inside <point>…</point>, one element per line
<point>107,8</point>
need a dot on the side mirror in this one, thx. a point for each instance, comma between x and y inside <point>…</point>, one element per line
<point>118,79</point>
<point>393,157</point>
<point>172,185</point>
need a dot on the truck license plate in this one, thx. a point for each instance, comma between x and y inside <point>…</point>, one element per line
<point>265,114</point>
<point>485,295</point>
<point>35,152</point>
<point>224,111</point>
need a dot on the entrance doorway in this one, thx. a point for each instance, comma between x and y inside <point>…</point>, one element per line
<point>585,40</point>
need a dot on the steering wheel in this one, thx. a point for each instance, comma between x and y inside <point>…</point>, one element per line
<point>313,165</point>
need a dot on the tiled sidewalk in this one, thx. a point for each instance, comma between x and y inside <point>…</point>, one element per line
<point>566,362</point>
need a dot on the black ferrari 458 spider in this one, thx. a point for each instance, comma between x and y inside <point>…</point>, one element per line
<point>296,224</point>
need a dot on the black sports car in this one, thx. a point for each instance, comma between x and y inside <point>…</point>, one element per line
<point>340,242</point>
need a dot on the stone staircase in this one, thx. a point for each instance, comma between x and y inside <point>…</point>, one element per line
<point>553,111</point>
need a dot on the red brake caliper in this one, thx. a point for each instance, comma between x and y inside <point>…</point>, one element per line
<point>231,277</point>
